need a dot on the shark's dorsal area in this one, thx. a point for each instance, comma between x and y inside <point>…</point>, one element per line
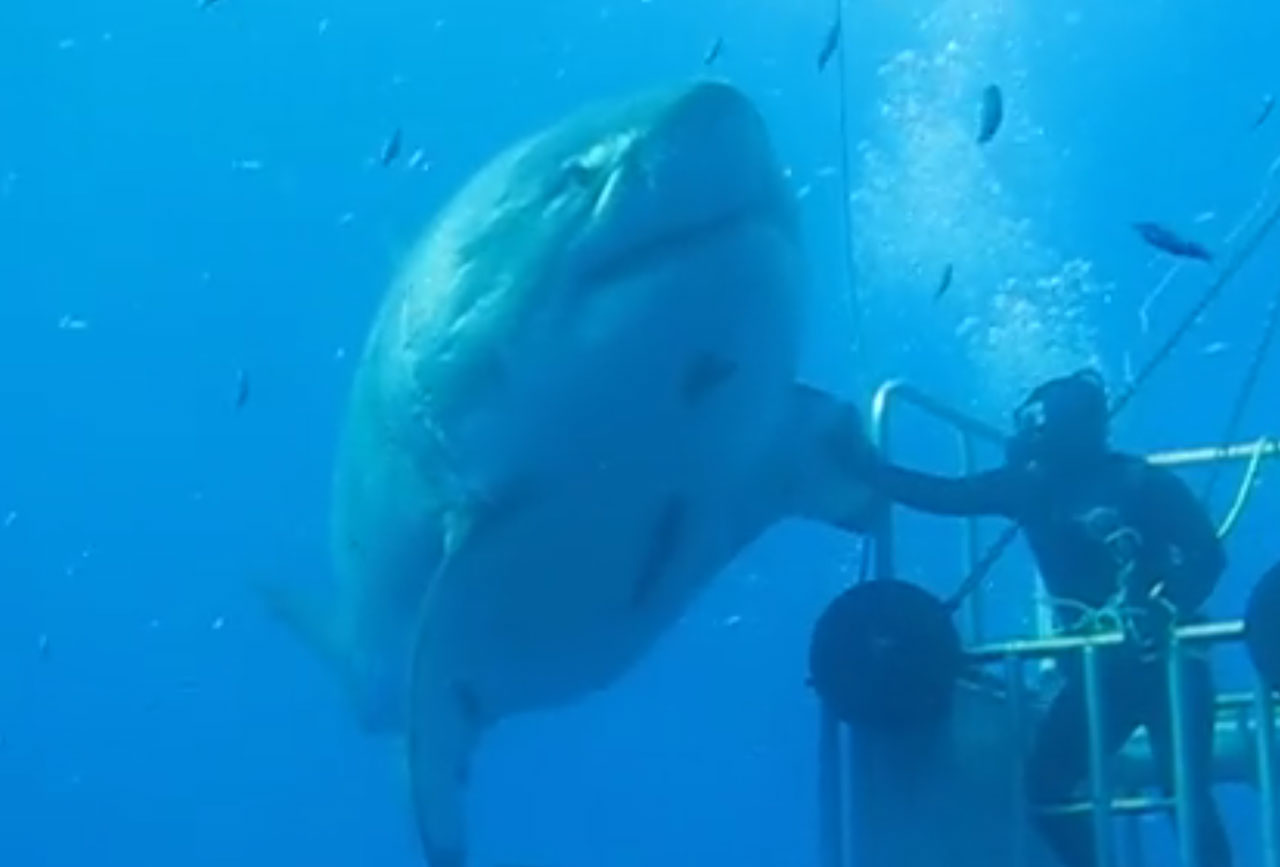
<point>576,406</point>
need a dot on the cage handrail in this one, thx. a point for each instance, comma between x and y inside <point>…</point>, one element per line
<point>1051,647</point>
<point>897,389</point>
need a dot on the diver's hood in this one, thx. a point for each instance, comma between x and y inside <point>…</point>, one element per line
<point>1062,422</point>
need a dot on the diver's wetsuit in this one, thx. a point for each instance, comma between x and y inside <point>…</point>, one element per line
<point>1178,546</point>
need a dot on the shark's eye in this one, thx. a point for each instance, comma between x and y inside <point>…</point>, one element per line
<point>578,174</point>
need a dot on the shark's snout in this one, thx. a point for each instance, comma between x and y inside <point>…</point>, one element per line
<point>704,165</point>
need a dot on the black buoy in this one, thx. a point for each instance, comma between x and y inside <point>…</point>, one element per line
<point>1262,627</point>
<point>885,655</point>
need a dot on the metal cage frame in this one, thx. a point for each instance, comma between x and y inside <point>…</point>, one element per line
<point>836,818</point>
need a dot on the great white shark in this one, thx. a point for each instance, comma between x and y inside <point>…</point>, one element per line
<point>577,404</point>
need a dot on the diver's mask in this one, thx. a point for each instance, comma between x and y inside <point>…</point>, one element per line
<point>1025,448</point>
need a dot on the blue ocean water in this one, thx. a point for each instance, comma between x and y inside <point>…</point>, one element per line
<point>187,193</point>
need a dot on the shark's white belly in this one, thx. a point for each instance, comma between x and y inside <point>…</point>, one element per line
<point>629,494</point>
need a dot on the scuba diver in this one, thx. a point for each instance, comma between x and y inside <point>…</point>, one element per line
<point>1112,536</point>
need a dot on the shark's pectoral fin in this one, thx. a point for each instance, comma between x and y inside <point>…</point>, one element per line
<point>818,458</point>
<point>309,614</point>
<point>446,719</point>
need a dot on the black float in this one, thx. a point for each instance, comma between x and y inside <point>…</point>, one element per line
<point>885,655</point>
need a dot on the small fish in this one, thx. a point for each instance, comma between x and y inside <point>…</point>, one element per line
<point>992,113</point>
<point>43,648</point>
<point>713,53</point>
<point>1163,239</point>
<point>391,150</point>
<point>1216,348</point>
<point>1268,104</point>
<point>830,45</point>
<point>205,4</point>
<point>945,283</point>
<point>242,389</point>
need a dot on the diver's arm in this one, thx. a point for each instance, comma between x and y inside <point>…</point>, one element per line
<point>1197,559</point>
<point>990,493</point>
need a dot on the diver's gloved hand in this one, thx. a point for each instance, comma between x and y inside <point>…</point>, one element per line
<point>1148,622</point>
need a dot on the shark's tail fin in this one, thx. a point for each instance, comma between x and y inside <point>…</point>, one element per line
<point>445,722</point>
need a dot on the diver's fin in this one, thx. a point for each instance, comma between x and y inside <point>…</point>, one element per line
<point>818,459</point>
<point>446,718</point>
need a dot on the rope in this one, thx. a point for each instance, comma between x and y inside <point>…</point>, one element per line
<point>1246,489</point>
<point>846,179</point>
<point>1247,386</point>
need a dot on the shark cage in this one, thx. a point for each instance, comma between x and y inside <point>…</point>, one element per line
<point>896,795</point>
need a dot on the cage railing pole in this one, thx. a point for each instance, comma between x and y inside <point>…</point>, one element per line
<point>1017,699</point>
<point>1187,786</point>
<point>1135,854</point>
<point>830,829</point>
<point>1264,724</point>
<point>973,550</point>
<point>1099,782</point>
